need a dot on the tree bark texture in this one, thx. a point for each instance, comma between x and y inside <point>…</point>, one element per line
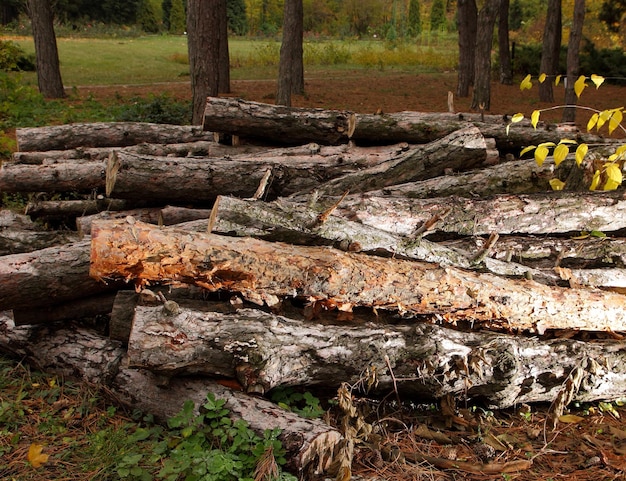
<point>468,25</point>
<point>56,209</point>
<point>551,50</point>
<point>265,272</point>
<point>573,60</point>
<point>224,55</point>
<point>203,42</point>
<point>48,67</point>
<point>105,134</point>
<point>80,353</point>
<point>290,67</point>
<point>64,176</point>
<point>75,310</point>
<point>481,98</point>
<point>504,48</point>
<point>428,361</point>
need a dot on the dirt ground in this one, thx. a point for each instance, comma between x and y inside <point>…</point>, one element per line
<point>371,91</point>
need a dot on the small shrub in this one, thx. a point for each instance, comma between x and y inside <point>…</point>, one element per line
<point>155,109</point>
<point>326,54</point>
<point>13,58</point>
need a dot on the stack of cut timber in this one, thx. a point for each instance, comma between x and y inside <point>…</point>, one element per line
<point>409,243</point>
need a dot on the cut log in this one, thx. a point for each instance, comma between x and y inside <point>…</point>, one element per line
<point>549,213</point>
<point>130,176</point>
<point>79,353</point>
<point>276,123</point>
<point>461,150</point>
<point>497,369</point>
<point>47,276</point>
<point>18,233</point>
<point>105,134</point>
<point>58,177</point>
<point>265,272</point>
<point>56,209</point>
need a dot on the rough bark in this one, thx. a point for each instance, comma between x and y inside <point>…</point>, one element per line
<point>58,177</point>
<point>74,310</point>
<point>265,272</point>
<point>291,66</point>
<point>105,134</point>
<point>79,353</point>
<point>47,276</point>
<point>224,55</point>
<point>497,369</point>
<point>551,50</point>
<point>18,233</point>
<point>481,97</point>
<point>292,170</point>
<point>467,23</point>
<point>56,209</point>
<point>573,60</point>
<point>549,213</point>
<point>504,48</point>
<point>48,69</point>
<point>276,123</point>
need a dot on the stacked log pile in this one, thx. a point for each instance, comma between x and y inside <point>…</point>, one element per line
<point>324,246</point>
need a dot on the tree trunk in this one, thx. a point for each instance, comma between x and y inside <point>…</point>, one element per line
<point>224,55</point>
<point>79,353</point>
<point>81,177</point>
<point>67,209</point>
<point>266,272</point>
<point>48,69</point>
<point>504,49</point>
<point>249,345</point>
<point>551,50</point>
<point>203,42</point>
<point>467,15</point>
<point>291,67</point>
<point>573,47</point>
<point>105,134</point>
<point>484,42</point>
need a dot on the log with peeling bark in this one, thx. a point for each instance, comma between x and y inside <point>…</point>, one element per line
<point>56,209</point>
<point>548,213</point>
<point>105,134</point>
<point>48,276</point>
<point>79,353</point>
<point>57,177</point>
<point>18,233</point>
<point>249,345</point>
<point>266,272</point>
<point>200,148</point>
<point>131,176</point>
<point>277,123</point>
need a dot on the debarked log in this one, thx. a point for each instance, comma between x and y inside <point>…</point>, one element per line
<point>58,177</point>
<point>265,272</point>
<point>293,170</point>
<point>264,350</point>
<point>47,276</point>
<point>105,134</point>
<point>548,213</point>
<point>277,123</point>
<point>75,352</point>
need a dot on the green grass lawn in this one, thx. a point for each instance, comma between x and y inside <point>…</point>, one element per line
<point>163,58</point>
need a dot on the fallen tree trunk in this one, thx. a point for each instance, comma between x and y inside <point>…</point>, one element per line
<point>58,177</point>
<point>500,370</point>
<point>266,272</point>
<point>55,209</point>
<point>105,134</point>
<point>79,353</point>
<point>18,234</point>
<point>47,276</point>
<point>548,213</point>
<point>276,123</point>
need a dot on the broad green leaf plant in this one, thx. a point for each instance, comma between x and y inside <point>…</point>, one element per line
<point>611,171</point>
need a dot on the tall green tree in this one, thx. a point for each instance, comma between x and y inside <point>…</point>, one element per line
<point>177,23</point>
<point>516,15</point>
<point>438,19</point>
<point>237,17</point>
<point>147,16</point>
<point>612,14</point>
<point>415,18</point>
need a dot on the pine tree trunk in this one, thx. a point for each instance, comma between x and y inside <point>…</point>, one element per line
<point>551,50</point>
<point>481,100</point>
<point>573,60</point>
<point>467,18</point>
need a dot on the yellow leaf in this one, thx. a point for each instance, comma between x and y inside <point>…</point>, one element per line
<point>541,153</point>
<point>616,119</point>
<point>597,80</point>
<point>592,122</point>
<point>614,173</point>
<point>580,85</point>
<point>534,118</point>
<point>567,141</point>
<point>527,149</point>
<point>571,418</point>
<point>610,185</point>
<point>35,456</point>
<point>603,117</point>
<point>559,154</point>
<point>621,150</point>
<point>526,83</point>
<point>581,151</point>
<point>595,181</point>
<point>557,184</point>
<point>517,118</point>
<point>542,78</point>
<point>557,80</point>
